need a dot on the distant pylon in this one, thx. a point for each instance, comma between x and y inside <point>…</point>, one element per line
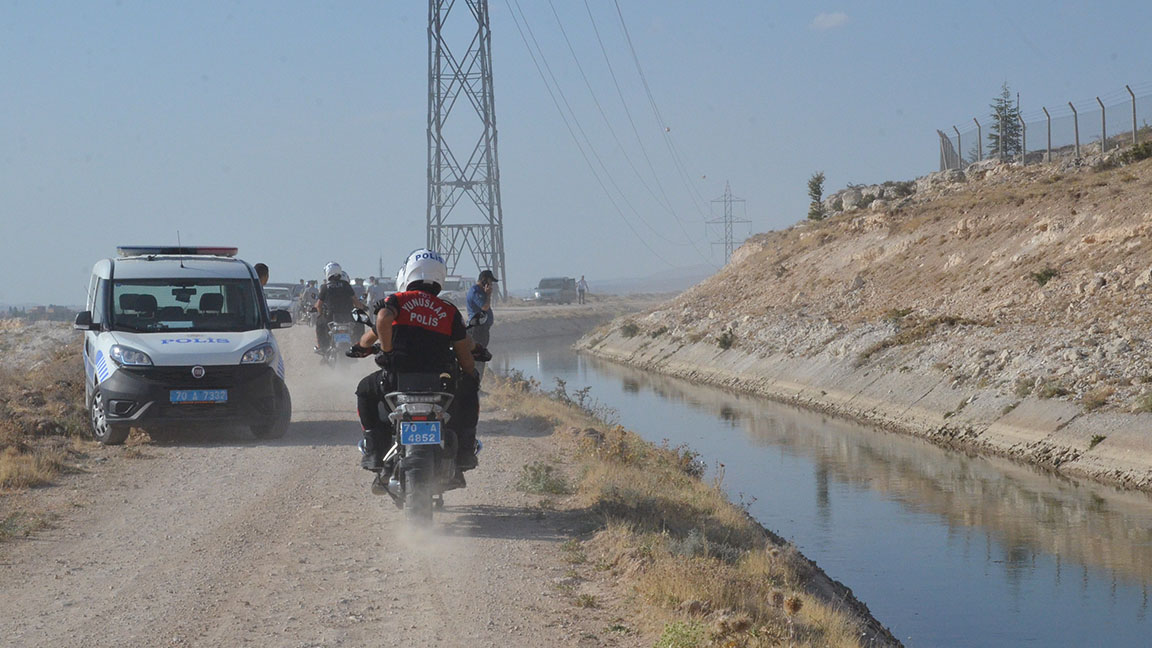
<point>463,83</point>
<point>728,220</point>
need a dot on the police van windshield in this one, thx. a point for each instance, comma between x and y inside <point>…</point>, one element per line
<point>208,305</point>
<point>551,283</point>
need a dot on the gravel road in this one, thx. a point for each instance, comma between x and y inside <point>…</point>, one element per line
<point>214,539</point>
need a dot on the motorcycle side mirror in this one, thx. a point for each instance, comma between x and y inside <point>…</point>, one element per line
<point>361,316</point>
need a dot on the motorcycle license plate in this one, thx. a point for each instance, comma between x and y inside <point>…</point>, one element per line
<point>342,338</point>
<point>419,432</point>
<point>188,396</point>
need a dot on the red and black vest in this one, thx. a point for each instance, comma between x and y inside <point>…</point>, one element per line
<point>423,331</point>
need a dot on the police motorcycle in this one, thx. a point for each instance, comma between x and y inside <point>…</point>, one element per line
<point>421,464</point>
<point>340,334</point>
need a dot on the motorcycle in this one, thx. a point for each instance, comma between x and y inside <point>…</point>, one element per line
<point>421,464</point>
<point>340,335</point>
<point>423,457</point>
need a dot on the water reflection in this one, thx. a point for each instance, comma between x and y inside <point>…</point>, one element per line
<point>1028,510</point>
<point>937,542</point>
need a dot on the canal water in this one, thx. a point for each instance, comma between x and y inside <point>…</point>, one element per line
<point>947,549</point>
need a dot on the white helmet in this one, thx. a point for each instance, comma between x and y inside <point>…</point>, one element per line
<point>422,265</point>
<point>332,269</point>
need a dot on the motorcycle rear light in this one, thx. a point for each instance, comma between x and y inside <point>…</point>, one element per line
<point>418,398</point>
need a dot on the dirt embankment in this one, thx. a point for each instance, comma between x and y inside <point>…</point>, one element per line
<point>281,543</point>
<point>1006,310</point>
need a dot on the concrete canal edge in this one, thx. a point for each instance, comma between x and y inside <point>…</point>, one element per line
<point>1109,447</point>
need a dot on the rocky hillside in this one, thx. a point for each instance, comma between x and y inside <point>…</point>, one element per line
<point>1003,307</point>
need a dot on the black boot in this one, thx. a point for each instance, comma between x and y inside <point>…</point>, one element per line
<point>372,456</point>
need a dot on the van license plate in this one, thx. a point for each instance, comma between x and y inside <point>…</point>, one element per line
<point>189,396</point>
<point>419,432</point>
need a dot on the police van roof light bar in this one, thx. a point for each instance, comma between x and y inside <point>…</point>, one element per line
<point>153,250</point>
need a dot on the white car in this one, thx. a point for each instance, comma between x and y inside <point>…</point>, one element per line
<point>279,298</point>
<point>181,335</point>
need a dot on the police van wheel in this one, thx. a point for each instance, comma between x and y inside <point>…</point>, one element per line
<point>278,427</point>
<point>103,431</point>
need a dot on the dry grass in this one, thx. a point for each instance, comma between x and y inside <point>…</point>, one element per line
<point>41,413</point>
<point>699,569</point>
<point>1097,398</point>
<point>912,330</point>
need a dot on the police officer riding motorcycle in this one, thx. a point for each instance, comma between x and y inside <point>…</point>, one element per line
<point>418,334</point>
<point>335,302</point>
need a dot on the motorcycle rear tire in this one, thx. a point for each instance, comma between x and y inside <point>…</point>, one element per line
<point>419,484</point>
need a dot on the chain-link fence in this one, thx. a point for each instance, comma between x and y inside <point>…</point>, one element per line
<point>1075,129</point>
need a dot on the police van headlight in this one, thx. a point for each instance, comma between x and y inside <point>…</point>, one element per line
<point>127,356</point>
<point>262,354</point>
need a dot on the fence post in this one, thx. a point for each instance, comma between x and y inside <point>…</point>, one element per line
<point>979,141</point>
<point>959,148</point>
<point>1103,127</point>
<point>1076,127</point>
<point>1048,155</point>
<point>1133,95</point>
<point>1023,141</point>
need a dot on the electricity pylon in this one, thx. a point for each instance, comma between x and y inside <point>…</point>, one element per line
<point>727,220</point>
<point>460,100</point>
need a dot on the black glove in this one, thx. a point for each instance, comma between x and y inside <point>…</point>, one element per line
<point>358,351</point>
<point>383,358</point>
<point>480,353</point>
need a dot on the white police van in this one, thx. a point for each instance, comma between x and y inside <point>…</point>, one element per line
<point>176,335</point>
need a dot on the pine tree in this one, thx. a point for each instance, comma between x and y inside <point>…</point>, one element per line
<point>1005,116</point>
<point>815,194</point>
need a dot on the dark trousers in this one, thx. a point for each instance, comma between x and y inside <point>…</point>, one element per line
<point>464,411</point>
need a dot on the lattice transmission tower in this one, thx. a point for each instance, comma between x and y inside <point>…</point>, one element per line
<point>464,213</point>
<point>728,220</point>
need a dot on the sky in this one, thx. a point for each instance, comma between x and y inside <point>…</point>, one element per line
<point>296,130</point>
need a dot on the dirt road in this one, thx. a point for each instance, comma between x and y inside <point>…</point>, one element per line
<point>213,539</point>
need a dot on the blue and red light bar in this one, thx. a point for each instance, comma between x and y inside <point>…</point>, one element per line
<point>154,250</point>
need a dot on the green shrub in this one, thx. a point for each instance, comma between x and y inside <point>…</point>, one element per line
<point>540,478</point>
<point>1141,151</point>
<point>629,329</point>
<point>1051,389</point>
<point>1096,439</point>
<point>1045,275</point>
<point>682,634</point>
<point>726,339</point>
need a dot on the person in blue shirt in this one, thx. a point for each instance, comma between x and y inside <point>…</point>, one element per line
<point>480,311</point>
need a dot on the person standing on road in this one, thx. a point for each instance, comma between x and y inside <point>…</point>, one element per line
<point>376,290</point>
<point>581,289</point>
<point>480,311</point>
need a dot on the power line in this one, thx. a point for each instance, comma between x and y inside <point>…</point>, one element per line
<point>655,174</point>
<point>694,193</point>
<point>576,139</point>
<point>599,106</point>
<point>588,140</point>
